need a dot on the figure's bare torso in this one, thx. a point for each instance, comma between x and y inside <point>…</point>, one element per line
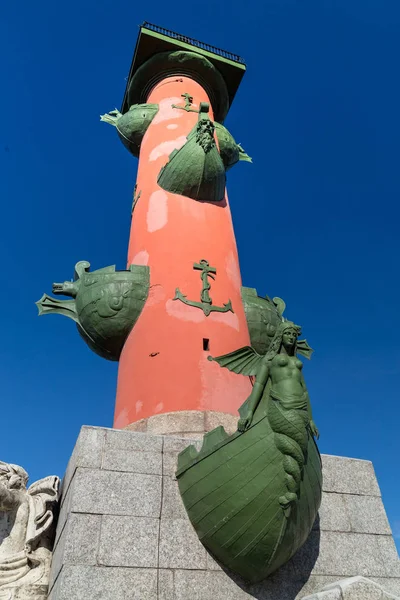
<point>286,376</point>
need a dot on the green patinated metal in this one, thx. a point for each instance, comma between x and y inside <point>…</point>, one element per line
<point>205,303</point>
<point>132,126</point>
<point>230,151</point>
<point>106,304</point>
<point>188,103</point>
<point>205,179</point>
<point>253,496</point>
<point>196,170</point>
<point>263,317</point>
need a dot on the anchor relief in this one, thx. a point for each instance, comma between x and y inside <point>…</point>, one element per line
<point>205,303</point>
<point>188,103</point>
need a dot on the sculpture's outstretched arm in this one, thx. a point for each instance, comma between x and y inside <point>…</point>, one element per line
<point>7,498</point>
<point>255,397</point>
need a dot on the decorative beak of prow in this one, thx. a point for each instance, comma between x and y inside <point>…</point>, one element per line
<point>68,288</point>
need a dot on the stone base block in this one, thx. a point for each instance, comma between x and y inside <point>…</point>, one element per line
<point>191,424</point>
<point>123,532</point>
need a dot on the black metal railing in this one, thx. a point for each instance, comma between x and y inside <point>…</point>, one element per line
<point>193,42</point>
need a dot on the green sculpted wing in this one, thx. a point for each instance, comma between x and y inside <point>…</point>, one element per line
<point>245,361</point>
<point>304,349</point>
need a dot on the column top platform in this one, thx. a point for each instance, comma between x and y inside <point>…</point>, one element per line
<point>154,40</point>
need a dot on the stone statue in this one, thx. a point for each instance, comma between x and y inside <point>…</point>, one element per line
<point>26,532</point>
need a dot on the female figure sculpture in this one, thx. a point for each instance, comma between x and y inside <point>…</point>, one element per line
<point>281,388</point>
<point>26,516</point>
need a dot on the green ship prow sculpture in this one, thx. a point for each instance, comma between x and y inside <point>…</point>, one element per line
<point>253,496</point>
<point>105,307</point>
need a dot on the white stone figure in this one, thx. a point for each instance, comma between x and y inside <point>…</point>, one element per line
<point>26,518</point>
<point>353,588</point>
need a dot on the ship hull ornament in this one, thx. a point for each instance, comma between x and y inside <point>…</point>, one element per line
<point>106,305</point>
<point>197,170</point>
<point>132,126</point>
<point>253,496</point>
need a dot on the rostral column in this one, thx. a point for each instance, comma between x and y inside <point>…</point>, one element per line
<point>163,366</point>
<point>180,298</point>
<point>187,335</point>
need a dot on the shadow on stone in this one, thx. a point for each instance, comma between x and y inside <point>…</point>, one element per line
<point>288,581</point>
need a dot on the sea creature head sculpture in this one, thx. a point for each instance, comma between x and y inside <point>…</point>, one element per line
<point>67,288</point>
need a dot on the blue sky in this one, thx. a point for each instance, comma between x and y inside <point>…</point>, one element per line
<point>316,216</point>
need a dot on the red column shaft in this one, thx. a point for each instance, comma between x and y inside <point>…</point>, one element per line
<point>163,366</point>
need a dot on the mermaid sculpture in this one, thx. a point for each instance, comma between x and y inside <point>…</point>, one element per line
<point>280,386</point>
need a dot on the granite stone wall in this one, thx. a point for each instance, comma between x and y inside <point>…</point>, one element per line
<point>123,533</point>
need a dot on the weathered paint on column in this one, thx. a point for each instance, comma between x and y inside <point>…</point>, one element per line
<point>163,366</point>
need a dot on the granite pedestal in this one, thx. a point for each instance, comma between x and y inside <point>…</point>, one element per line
<point>123,533</point>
